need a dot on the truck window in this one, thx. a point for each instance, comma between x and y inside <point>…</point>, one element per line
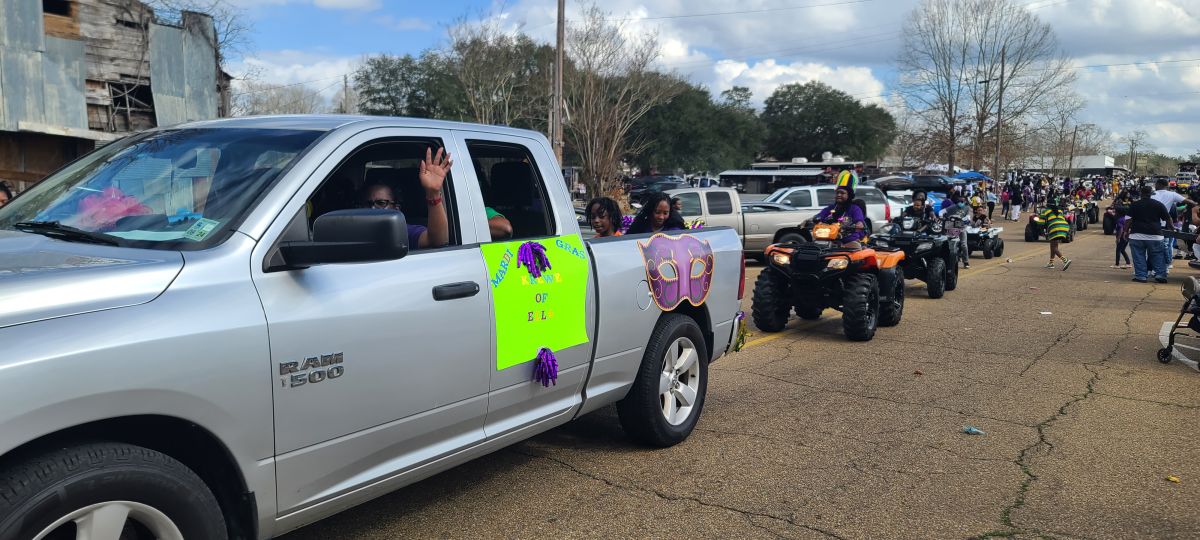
<point>719,203</point>
<point>691,204</point>
<point>512,187</point>
<point>799,199</point>
<point>824,197</point>
<point>383,174</point>
<point>870,196</point>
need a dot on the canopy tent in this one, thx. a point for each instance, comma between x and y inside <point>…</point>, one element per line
<point>972,175</point>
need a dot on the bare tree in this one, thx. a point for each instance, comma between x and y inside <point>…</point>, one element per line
<point>608,86</point>
<point>1007,39</point>
<point>1136,143</point>
<point>259,98</point>
<point>934,67</point>
<point>954,54</point>
<point>502,75</point>
<point>233,27</point>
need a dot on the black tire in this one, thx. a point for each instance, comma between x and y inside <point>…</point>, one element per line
<point>935,277</point>
<point>641,411</point>
<point>1094,215</point>
<point>1070,236</point>
<point>807,310</point>
<point>999,247</point>
<point>1164,355</point>
<point>1080,224</point>
<point>791,237</point>
<point>987,248</point>
<point>1031,234</point>
<point>891,297</point>
<point>1110,225</point>
<point>771,303</point>
<point>39,490</point>
<point>952,274</point>
<point>860,307</point>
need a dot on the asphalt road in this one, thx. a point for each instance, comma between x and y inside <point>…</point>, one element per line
<point>806,435</point>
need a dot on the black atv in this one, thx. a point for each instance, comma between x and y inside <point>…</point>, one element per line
<point>1036,228</point>
<point>816,273</point>
<point>1110,220</point>
<point>929,255</point>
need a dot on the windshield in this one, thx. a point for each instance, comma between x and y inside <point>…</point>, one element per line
<point>778,194</point>
<point>178,189</point>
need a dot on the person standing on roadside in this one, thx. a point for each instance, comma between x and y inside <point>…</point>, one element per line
<point>1057,228</point>
<point>1006,202</point>
<point>1122,234</point>
<point>1170,200</point>
<point>992,199</point>
<point>1146,219</point>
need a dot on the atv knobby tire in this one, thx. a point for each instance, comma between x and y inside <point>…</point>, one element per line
<point>771,304</point>
<point>999,247</point>
<point>1031,234</point>
<point>935,277</point>
<point>1110,224</point>
<point>987,248</point>
<point>860,307</point>
<point>808,310</point>
<point>891,297</point>
<point>952,273</point>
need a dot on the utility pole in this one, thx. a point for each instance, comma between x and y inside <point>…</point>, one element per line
<point>556,108</point>
<point>1071,160</point>
<point>999,119</point>
<point>345,94</point>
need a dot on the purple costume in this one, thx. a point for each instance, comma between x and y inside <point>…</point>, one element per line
<point>847,218</point>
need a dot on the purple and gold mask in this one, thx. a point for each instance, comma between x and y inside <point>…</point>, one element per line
<point>678,268</point>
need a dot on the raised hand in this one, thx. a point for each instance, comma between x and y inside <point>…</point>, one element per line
<point>433,170</point>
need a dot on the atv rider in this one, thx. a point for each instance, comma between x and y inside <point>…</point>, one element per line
<point>920,209</point>
<point>846,211</point>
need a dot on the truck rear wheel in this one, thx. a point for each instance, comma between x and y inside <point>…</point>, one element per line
<point>668,395</point>
<point>891,297</point>
<point>860,307</point>
<point>106,491</point>
<point>771,303</point>
<point>935,277</point>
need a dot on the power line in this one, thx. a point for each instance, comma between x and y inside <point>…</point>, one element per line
<point>270,88</point>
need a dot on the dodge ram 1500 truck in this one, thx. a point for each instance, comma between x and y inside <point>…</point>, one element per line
<point>230,329</point>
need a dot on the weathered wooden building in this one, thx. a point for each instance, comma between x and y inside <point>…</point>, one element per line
<point>77,73</point>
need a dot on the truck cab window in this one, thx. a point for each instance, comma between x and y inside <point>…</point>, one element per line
<point>719,203</point>
<point>799,199</point>
<point>385,175</point>
<point>691,204</point>
<point>513,190</point>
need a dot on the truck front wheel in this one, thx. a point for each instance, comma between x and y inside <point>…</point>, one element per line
<point>106,491</point>
<point>668,394</point>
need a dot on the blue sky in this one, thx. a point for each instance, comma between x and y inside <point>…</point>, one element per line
<point>849,44</point>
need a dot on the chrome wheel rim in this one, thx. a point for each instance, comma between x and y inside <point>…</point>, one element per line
<point>679,381</point>
<point>107,520</point>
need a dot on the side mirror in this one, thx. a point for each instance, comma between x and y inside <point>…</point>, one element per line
<point>350,236</point>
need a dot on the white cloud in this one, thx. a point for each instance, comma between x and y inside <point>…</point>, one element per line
<point>277,68</point>
<point>403,23</point>
<point>764,77</point>
<point>355,5</point>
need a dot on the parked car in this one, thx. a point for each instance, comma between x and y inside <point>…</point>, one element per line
<point>208,330</point>
<point>814,198</point>
<point>758,224</point>
<point>638,193</point>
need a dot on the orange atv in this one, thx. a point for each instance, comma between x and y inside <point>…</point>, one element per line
<point>809,276</point>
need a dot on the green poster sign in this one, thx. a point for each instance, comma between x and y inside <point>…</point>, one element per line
<point>532,313</point>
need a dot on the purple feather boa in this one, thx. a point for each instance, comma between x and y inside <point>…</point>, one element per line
<point>533,256</point>
<point>545,371</point>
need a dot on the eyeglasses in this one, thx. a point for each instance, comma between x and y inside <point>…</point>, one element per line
<point>380,203</point>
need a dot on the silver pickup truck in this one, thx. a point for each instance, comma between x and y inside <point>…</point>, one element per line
<point>231,329</point>
<point>758,224</point>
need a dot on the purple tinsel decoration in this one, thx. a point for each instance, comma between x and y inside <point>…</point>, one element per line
<point>626,221</point>
<point>546,369</point>
<point>533,256</point>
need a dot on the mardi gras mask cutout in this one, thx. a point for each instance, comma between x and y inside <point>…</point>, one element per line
<point>678,268</point>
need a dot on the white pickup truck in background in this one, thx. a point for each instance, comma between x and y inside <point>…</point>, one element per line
<point>758,224</point>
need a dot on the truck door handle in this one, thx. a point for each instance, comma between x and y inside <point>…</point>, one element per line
<point>451,291</point>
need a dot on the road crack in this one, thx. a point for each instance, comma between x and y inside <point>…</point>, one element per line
<point>1024,459</point>
<point>749,515</point>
